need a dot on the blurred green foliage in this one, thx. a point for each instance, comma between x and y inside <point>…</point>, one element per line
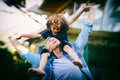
<point>12,67</point>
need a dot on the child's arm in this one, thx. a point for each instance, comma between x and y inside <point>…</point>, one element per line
<point>29,36</point>
<point>78,14</point>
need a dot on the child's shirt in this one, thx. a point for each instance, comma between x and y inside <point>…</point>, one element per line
<point>61,35</point>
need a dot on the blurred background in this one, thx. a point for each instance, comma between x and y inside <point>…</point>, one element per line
<point>29,16</point>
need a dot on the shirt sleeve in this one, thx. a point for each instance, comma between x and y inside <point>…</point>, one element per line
<point>46,34</point>
<point>82,38</point>
<point>32,58</point>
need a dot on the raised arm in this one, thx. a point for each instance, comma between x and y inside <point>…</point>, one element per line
<point>17,45</point>
<point>78,14</point>
<point>91,15</point>
<point>82,38</point>
<point>24,52</point>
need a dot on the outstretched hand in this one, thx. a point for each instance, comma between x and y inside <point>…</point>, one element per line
<point>87,6</point>
<point>15,36</point>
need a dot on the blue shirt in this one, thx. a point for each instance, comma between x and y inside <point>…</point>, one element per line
<point>63,68</point>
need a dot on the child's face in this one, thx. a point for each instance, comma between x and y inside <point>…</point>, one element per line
<point>55,28</point>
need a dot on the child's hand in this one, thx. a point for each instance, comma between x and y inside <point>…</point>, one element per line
<point>18,36</point>
<point>87,7</point>
<point>15,36</point>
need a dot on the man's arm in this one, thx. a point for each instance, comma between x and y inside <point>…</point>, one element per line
<point>82,38</point>
<point>34,59</point>
<point>17,45</point>
<point>91,15</point>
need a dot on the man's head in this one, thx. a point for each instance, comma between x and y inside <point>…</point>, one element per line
<point>57,23</point>
<point>52,43</point>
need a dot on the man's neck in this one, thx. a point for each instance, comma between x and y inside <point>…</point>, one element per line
<point>57,52</point>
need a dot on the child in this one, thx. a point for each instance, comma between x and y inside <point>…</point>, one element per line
<point>58,27</point>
